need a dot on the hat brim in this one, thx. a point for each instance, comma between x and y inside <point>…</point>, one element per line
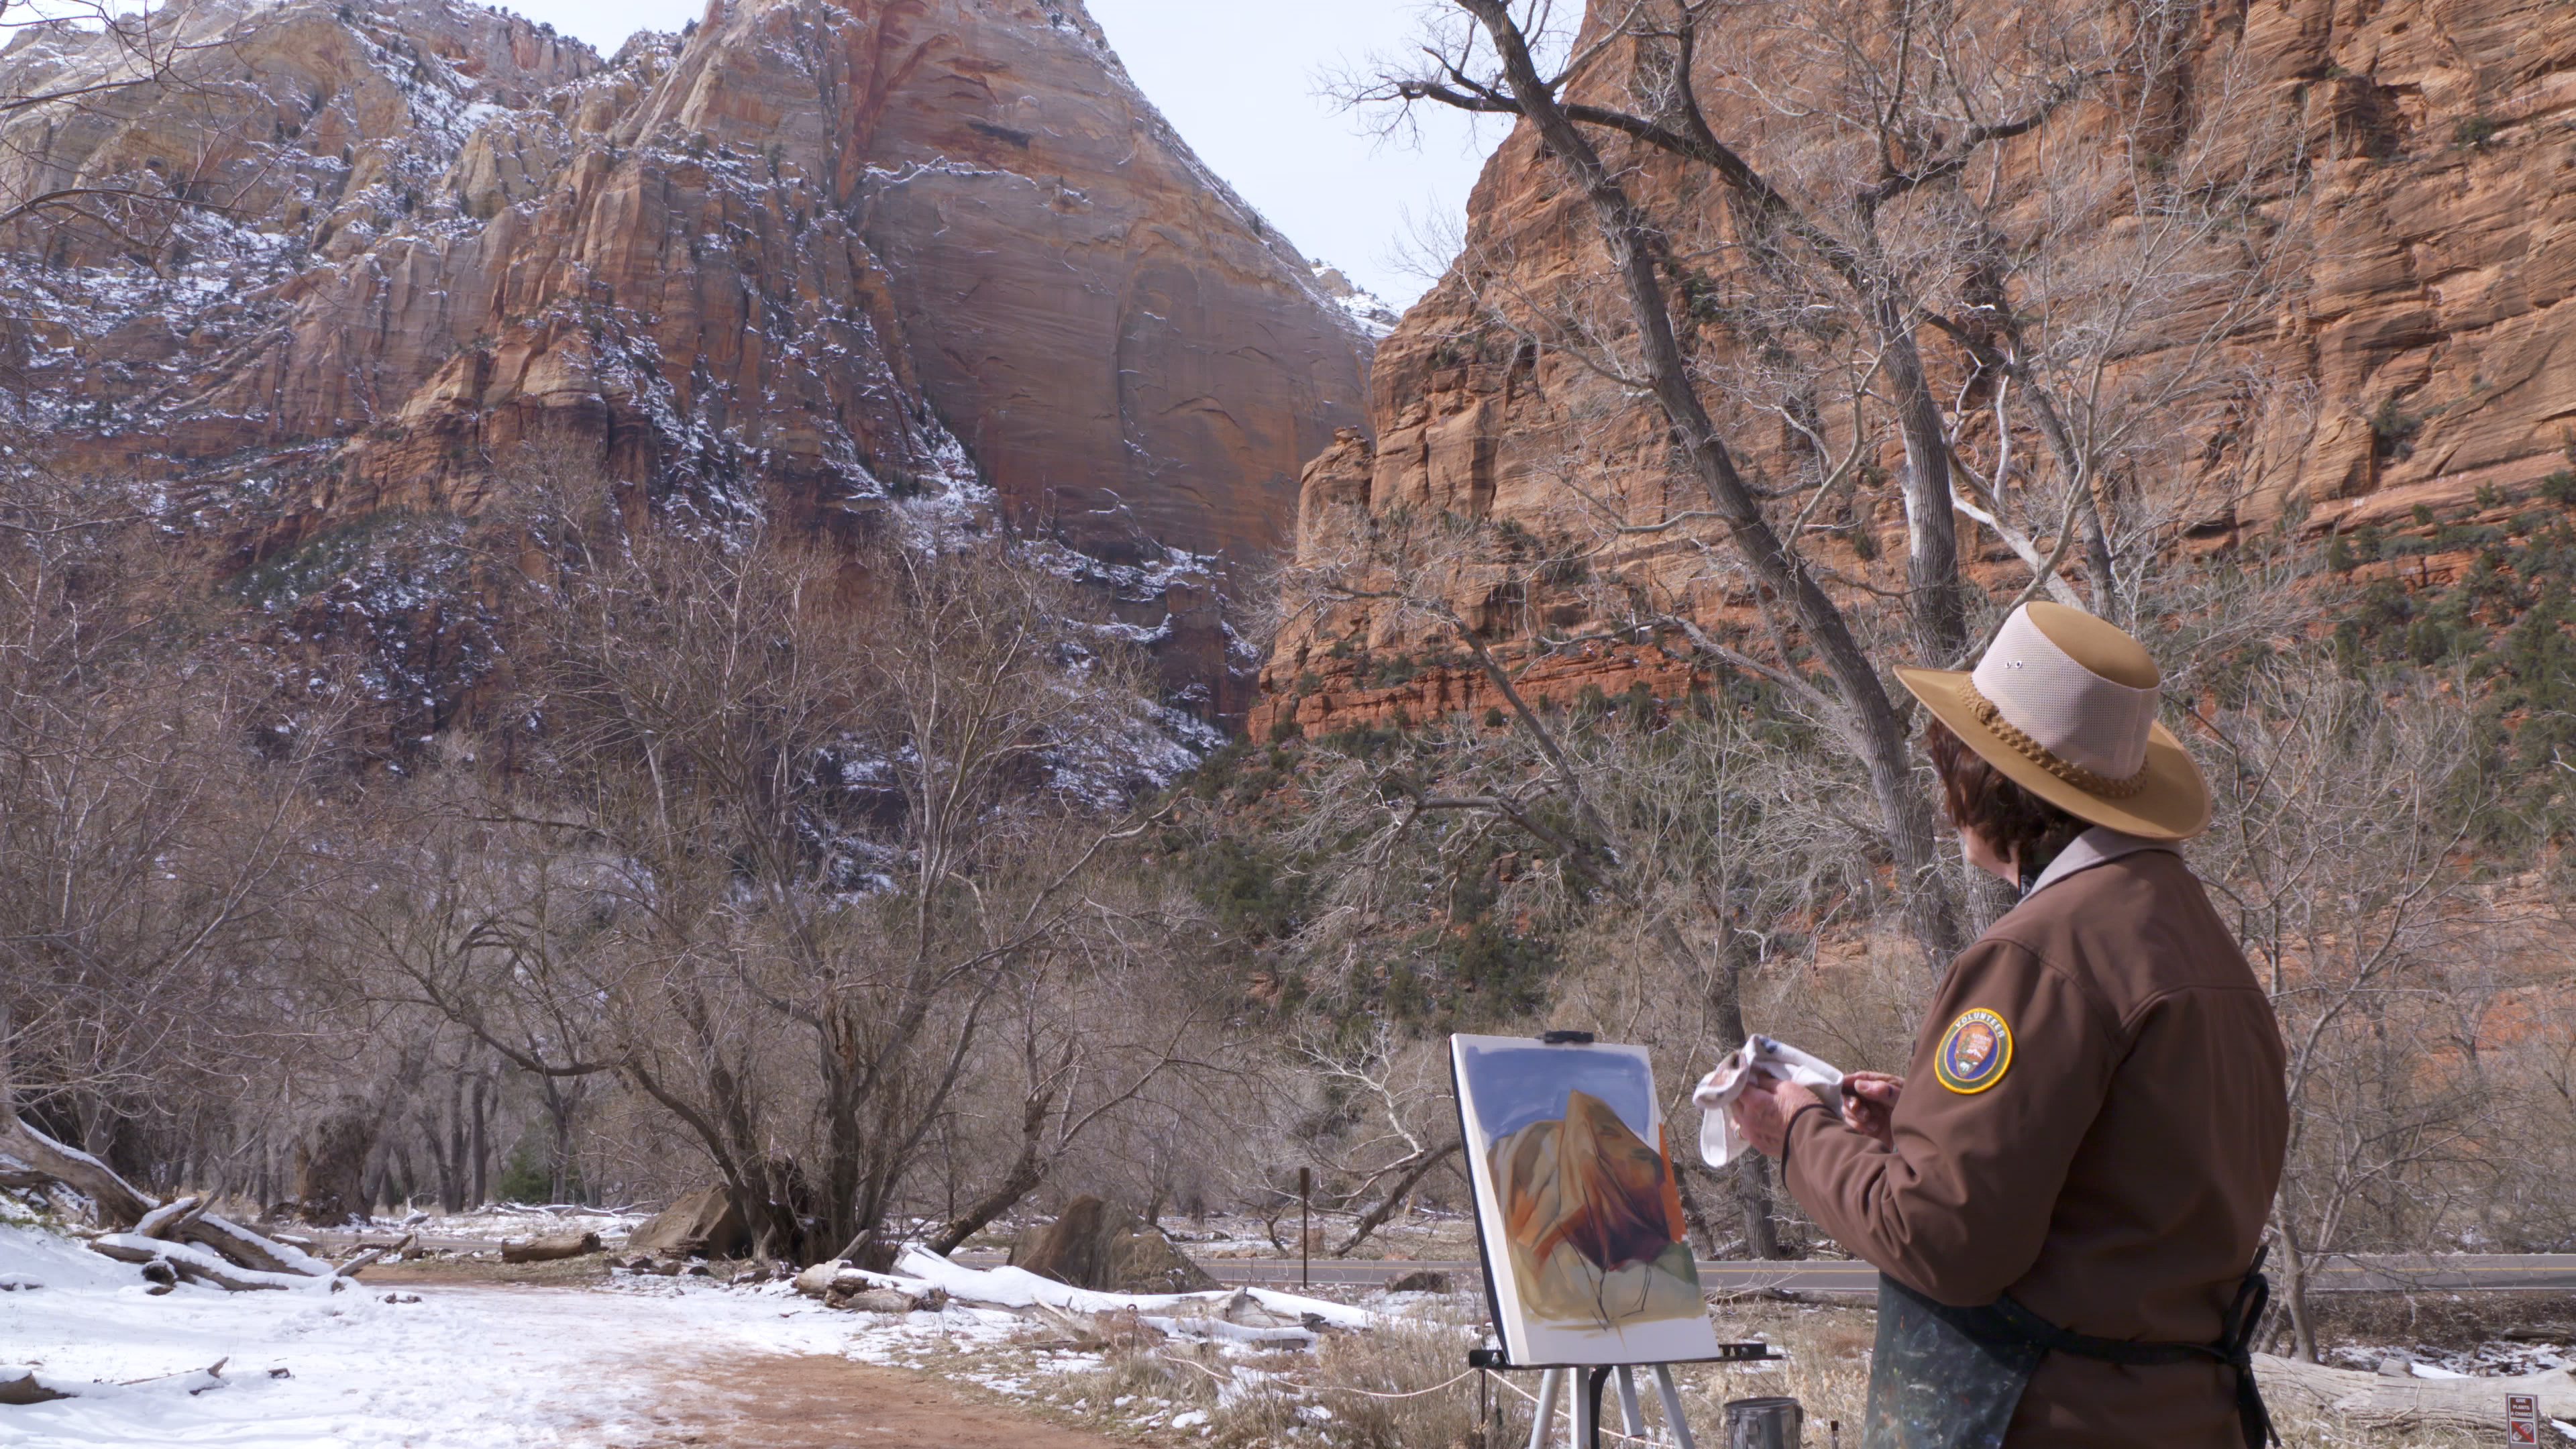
<point>2173,805</point>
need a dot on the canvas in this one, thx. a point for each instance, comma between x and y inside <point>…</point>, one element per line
<point>1586,1256</point>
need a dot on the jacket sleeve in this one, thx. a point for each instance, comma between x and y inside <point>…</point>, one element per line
<point>1959,1206</point>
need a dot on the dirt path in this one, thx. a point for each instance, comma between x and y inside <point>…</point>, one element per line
<point>729,1398</point>
<point>751,1400</point>
<point>823,1402</point>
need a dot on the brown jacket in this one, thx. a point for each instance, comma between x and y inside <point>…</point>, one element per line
<point>2113,1176</point>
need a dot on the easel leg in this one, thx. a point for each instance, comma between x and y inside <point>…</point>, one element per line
<point>1630,1419</point>
<point>1543,1427</point>
<point>1587,1409</point>
<point>1672,1398</point>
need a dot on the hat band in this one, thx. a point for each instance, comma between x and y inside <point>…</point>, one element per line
<point>1991,715</point>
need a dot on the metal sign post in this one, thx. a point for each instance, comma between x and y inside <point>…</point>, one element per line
<point>2522,1418</point>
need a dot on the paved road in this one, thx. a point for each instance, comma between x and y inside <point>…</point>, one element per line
<point>2532,1271</point>
<point>2543,1272</point>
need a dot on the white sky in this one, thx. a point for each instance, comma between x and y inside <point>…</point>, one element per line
<point>1241,80</point>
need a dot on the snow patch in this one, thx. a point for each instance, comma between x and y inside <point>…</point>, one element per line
<point>1020,1288</point>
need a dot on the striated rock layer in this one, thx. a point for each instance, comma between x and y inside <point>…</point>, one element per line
<point>2418,362</point>
<point>812,256</point>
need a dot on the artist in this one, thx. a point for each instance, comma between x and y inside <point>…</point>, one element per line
<point>2065,1194</point>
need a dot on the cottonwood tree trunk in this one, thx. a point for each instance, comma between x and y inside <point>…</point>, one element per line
<point>1937,599</point>
<point>1873,727</point>
<point>331,1167</point>
<point>1028,1169</point>
<point>2294,1292</point>
<point>482,1140</point>
<point>1753,1195</point>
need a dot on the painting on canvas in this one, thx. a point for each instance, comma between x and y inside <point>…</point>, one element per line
<point>1586,1256</point>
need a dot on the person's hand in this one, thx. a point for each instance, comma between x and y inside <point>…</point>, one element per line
<point>1762,1111</point>
<point>1869,1104</point>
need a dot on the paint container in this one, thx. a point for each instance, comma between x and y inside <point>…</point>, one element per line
<point>1769,1423</point>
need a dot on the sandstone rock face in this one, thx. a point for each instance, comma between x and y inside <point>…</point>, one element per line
<point>815,256</point>
<point>2419,356</point>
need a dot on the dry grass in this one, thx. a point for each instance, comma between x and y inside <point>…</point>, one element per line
<point>1401,1387</point>
<point>1827,1371</point>
<point>1406,1386</point>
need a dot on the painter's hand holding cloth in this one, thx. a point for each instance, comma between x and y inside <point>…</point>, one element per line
<point>1761,1066</point>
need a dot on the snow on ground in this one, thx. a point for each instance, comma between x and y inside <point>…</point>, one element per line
<point>1018,1286</point>
<point>494,1223</point>
<point>471,1366</point>
<point>2484,1360</point>
<point>464,1367</point>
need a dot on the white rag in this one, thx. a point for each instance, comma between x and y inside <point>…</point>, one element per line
<point>1719,1142</point>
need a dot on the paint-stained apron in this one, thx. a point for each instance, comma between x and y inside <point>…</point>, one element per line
<point>1950,1378</point>
<point>1934,1386</point>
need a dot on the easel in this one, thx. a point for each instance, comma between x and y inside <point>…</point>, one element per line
<point>1587,1401</point>
<point>1555,1377</point>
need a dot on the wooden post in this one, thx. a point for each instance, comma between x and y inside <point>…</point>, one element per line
<point>1305,1226</point>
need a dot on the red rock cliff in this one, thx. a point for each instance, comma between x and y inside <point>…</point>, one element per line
<point>2418,356</point>
<point>816,254</point>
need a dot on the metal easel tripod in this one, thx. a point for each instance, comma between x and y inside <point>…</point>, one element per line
<point>1587,1395</point>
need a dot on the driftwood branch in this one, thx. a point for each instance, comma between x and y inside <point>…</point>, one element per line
<point>196,1265</point>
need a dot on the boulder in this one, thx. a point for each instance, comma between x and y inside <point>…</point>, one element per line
<point>19,1385</point>
<point>703,1224</point>
<point>1102,1246</point>
<point>549,1250</point>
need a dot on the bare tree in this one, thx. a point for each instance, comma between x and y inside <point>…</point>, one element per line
<point>1899,267</point>
<point>2339,851</point>
<point>815,822</point>
<point>153,824</point>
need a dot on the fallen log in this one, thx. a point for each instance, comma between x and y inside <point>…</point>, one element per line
<point>196,1265</point>
<point>29,1158</point>
<point>367,1255</point>
<point>1218,1330</point>
<point>2384,1401</point>
<point>548,1250</point>
<point>816,1281</point>
<point>885,1300</point>
<point>261,1254</point>
<point>167,1220</point>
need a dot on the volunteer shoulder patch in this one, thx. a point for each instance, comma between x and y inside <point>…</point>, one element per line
<point>1974,1052</point>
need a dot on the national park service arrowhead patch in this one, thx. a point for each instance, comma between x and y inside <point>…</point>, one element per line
<point>1974,1052</point>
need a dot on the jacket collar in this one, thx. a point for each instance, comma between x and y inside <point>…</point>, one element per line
<point>2097,846</point>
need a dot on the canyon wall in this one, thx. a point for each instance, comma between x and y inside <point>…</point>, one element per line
<point>2414,367</point>
<point>816,257</point>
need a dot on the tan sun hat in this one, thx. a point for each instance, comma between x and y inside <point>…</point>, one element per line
<point>2064,705</point>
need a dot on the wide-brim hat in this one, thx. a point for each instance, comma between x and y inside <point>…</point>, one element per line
<point>2064,705</point>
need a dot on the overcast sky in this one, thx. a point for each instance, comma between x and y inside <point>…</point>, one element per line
<point>1240,81</point>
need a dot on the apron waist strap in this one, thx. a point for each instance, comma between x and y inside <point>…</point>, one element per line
<point>2007,1321</point>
